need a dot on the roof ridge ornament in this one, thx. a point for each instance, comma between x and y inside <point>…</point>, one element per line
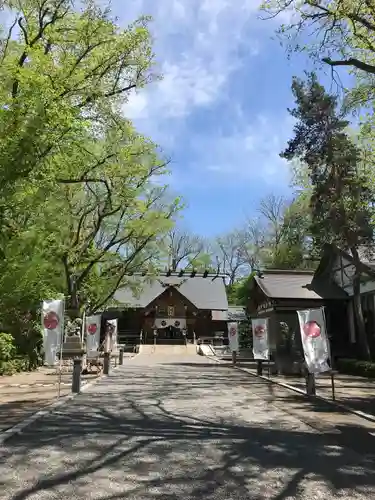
<point>176,285</point>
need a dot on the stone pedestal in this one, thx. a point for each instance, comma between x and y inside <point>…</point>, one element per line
<point>73,347</point>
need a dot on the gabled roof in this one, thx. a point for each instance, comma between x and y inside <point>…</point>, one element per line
<point>204,293</point>
<point>290,284</point>
<point>366,255</point>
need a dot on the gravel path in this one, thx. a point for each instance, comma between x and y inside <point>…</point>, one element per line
<point>185,428</point>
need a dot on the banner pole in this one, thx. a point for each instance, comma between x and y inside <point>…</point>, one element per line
<point>332,374</point>
<point>62,331</point>
<point>83,324</point>
<point>43,330</point>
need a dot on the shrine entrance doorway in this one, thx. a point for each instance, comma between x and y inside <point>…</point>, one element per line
<point>170,335</point>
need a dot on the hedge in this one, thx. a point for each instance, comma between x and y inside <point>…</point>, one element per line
<point>13,366</point>
<point>9,361</point>
<point>356,367</point>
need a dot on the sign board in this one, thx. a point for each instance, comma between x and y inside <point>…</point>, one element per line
<point>266,306</point>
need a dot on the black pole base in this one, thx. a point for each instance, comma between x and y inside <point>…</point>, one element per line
<point>76,379</point>
<point>106,362</point>
<point>310,384</point>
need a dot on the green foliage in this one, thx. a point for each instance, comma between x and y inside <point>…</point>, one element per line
<point>356,367</point>
<point>9,363</point>
<point>7,347</point>
<point>340,198</point>
<point>13,366</point>
<point>115,214</point>
<point>281,235</point>
<point>245,334</point>
<point>60,76</point>
<point>201,263</point>
<point>239,292</point>
<point>340,33</point>
<point>83,197</point>
<point>341,201</point>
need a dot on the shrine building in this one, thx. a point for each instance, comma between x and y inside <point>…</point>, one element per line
<point>172,307</point>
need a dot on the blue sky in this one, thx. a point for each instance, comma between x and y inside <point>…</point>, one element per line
<point>220,112</point>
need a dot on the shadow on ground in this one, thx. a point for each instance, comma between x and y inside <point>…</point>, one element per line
<point>170,433</point>
<point>13,412</point>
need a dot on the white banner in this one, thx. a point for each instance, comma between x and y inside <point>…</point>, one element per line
<point>53,325</point>
<point>113,337</point>
<point>92,334</point>
<point>260,338</point>
<point>233,337</point>
<point>165,322</point>
<point>314,340</point>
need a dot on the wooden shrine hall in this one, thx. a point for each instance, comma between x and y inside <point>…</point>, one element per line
<point>172,307</point>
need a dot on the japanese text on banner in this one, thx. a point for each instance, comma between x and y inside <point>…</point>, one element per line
<point>233,337</point>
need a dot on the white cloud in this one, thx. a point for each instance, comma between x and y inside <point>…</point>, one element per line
<point>197,44</point>
<point>247,153</point>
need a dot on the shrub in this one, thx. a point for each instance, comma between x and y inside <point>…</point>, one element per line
<point>10,363</point>
<point>7,347</point>
<point>356,367</point>
<point>13,366</point>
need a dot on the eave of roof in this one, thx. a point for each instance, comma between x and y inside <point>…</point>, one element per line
<point>299,285</point>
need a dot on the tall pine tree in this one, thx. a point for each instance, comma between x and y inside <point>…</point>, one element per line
<point>341,199</point>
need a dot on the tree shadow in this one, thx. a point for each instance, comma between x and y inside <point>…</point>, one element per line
<point>13,412</point>
<point>364,403</point>
<point>147,433</point>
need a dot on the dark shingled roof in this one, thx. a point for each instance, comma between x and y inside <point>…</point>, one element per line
<point>296,285</point>
<point>204,293</point>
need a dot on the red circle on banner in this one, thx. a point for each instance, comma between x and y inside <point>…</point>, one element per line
<point>311,329</point>
<point>92,328</point>
<point>51,320</point>
<point>232,331</point>
<point>259,330</point>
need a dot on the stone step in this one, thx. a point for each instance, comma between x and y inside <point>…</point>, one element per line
<point>168,350</point>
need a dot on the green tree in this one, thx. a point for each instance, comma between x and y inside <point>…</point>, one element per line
<point>114,213</point>
<point>79,207</point>
<point>279,238</point>
<point>338,33</point>
<point>239,292</point>
<point>344,30</point>
<point>64,72</point>
<point>340,200</point>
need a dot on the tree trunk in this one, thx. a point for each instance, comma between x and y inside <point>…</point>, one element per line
<point>72,305</point>
<point>358,312</point>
